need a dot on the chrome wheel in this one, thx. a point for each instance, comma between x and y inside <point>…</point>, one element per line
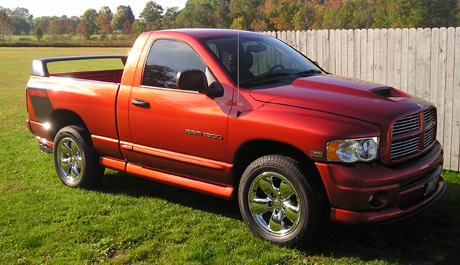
<point>274,204</point>
<point>75,160</point>
<point>279,200</point>
<point>70,161</point>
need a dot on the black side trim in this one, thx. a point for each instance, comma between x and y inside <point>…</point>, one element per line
<point>41,103</point>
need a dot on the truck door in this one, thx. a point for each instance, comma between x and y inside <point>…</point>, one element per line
<point>177,131</point>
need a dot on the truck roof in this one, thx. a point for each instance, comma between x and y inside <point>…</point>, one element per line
<point>208,32</point>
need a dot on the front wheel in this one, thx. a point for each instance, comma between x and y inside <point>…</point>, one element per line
<point>278,202</point>
<point>76,162</point>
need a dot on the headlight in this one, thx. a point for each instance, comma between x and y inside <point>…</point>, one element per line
<point>353,150</point>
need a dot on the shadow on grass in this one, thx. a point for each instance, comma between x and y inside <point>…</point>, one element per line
<point>121,183</point>
<point>429,237</point>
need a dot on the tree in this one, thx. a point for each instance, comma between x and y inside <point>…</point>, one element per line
<point>104,21</point>
<point>55,28</point>
<point>199,14</point>
<point>222,14</point>
<point>89,17</point>
<point>238,23</point>
<point>69,27</point>
<point>6,25</point>
<point>250,10</point>
<point>317,19</point>
<point>170,17</point>
<point>457,16</point>
<point>42,26</point>
<point>331,15</point>
<point>301,18</point>
<point>21,20</point>
<point>138,27</point>
<point>152,15</point>
<point>38,33</point>
<point>20,12</point>
<point>20,26</point>
<point>83,29</point>
<point>353,14</point>
<point>441,13</point>
<point>280,13</point>
<point>43,22</point>
<point>399,14</point>
<point>127,28</point>
<point>124,13</point>
<point>363,14</point>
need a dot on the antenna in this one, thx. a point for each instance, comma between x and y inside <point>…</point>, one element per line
<point>238,112</point>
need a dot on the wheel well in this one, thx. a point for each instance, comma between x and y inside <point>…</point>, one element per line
<point>63,118</point>
<point>250,151</point>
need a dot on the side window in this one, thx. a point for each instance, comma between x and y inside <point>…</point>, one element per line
<point>166,58</point>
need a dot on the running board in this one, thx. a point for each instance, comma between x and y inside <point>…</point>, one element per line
<point>224,192</point>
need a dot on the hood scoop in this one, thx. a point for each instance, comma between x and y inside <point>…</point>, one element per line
<point>342,96</point>
<point>390,93</point>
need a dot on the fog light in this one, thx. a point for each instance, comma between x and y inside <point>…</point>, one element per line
<point>378,199</point>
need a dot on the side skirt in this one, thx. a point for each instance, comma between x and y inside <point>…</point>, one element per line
<point>216,190</point>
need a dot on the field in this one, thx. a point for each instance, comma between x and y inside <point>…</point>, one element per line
<point>129,220</point>
<point>64,41</point>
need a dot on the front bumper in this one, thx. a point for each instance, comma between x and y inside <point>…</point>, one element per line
<point>374,193</point>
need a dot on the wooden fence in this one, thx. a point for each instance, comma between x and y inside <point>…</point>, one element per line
<point>421,62</point>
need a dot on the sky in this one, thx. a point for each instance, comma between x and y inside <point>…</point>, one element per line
<point>39,8</point>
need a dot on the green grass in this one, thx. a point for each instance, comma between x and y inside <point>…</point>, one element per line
<point>130,220</point>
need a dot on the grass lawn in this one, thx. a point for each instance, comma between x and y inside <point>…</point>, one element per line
<point>131,220</point>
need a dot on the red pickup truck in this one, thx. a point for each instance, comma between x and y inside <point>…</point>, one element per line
<point>239,114</point>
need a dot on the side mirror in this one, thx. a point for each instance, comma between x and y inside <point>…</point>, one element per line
<point>195,80</point>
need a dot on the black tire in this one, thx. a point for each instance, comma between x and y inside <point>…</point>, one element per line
<point>278,202</point>
<point>75,160</point>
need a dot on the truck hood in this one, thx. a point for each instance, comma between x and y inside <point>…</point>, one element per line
<point>343,96</point>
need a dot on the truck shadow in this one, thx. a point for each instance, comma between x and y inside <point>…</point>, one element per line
<point>121,183</point>
<point>431,237</point>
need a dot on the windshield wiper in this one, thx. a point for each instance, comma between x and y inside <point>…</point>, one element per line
<point>265,78</point>
<point>309,72</point>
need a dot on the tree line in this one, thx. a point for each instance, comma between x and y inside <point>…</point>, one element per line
<point>256,15</point>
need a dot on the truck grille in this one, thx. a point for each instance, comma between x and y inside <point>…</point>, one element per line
<point>429,137</point>
<point>404,148</point>
<point>421,131</point>
<point>429,116</point>
<point>406,124</point>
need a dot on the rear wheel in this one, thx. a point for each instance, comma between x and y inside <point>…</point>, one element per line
<point>75,160</point>
<point>278,202</point>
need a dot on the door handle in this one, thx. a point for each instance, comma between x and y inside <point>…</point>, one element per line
<point>141,103</point>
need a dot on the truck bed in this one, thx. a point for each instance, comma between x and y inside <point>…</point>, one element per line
<point>112,76</point>
<point>40,68</point>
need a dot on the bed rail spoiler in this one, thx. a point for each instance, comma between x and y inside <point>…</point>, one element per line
<point>40,66</point>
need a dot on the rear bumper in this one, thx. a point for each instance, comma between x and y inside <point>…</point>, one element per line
<point>36,128</point>
<point>375,193</point>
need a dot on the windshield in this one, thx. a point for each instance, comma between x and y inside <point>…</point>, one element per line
<point>263,59</point>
